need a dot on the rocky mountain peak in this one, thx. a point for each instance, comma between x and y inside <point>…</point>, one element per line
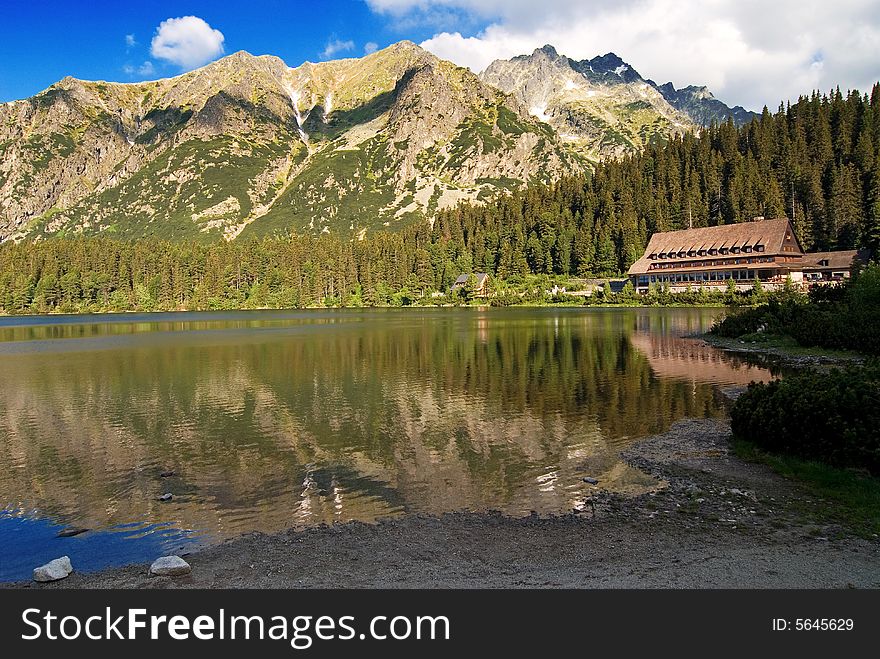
<point>547,50</point>
<point>580,97</point>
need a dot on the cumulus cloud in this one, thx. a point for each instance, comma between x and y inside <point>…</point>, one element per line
<point>370,47</point>
<point>145,70</point>
<point>750,52</point>
<point>130,41</point>
<point>335,47</point>
<point>187,41</point>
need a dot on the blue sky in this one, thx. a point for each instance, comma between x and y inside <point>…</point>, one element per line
<point>43,41</point>
<point>748,52</point>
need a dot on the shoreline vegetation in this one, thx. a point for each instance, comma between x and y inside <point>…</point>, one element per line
<point>819,427</point>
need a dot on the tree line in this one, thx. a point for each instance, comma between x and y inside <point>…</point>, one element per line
<point>816,161</point>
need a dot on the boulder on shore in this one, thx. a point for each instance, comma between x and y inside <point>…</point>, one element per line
<point>54,570</point>
<point>170,566</point>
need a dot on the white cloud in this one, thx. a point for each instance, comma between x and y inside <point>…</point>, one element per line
<point>188,42</point>
<point>335,47</point>
<point>145,70</point>
<point>370,47</point>
<point>749,52</point>
<point>130,41</point>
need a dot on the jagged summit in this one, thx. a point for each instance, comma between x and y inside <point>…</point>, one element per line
<point>600,107</point>
<point>604,104</point>
<point>548,50</point>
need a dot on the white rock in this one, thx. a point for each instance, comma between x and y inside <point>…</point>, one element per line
<point>54,570</point>
<point>170,566</point>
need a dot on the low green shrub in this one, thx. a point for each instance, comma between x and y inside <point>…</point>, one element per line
<point>838,317</point>
<point>831,417</point>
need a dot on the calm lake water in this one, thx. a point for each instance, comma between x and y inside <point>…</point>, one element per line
<point>278,419</point>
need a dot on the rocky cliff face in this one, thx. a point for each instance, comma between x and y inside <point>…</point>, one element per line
<point>603,107</point>
<point>701,106</point>
<point>247,145</point>
<point>600,107</point>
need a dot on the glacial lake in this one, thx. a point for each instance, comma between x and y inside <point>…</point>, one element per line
<point>271,420</point>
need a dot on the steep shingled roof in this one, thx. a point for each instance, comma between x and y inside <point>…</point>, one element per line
<point>840,260</point>
<point>771,234</point>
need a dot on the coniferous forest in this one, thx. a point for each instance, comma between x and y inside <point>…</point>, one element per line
<point>816,161</point>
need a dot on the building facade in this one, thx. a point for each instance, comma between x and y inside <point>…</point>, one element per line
<point>766,250</point>
<point>482,283</point>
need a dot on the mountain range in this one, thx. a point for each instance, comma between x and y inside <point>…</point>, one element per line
<point>602,107</point>
<point>247,146</point>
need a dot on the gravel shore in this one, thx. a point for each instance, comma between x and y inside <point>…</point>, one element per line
<point>719,522</point>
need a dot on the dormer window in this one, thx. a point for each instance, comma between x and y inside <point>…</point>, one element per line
<point>723,250</point>
<point>682,254</point>
<point>702,252</point>
<point>662,255</point>
<point>734,250</point>
<point>713,252</point>
<point>747,249</point>
<point>692,253</point>
<point>759,248</point>
<point>824,263</point>
<point>653,257</point>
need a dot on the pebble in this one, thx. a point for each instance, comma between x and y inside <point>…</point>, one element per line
<point>170,566</point>
<point>70,532</point>
<point>54,570</point>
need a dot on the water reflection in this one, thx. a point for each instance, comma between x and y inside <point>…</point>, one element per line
<point>277,419</point>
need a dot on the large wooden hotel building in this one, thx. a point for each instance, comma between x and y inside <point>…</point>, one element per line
<point>767,250</point>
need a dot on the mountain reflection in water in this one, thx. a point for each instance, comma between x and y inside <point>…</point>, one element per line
<point>279,419</point>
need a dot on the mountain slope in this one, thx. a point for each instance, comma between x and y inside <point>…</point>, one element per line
<point>249,146</point>
<point>603,107</point>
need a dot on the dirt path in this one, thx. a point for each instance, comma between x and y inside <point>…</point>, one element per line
<point>719,523</point>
